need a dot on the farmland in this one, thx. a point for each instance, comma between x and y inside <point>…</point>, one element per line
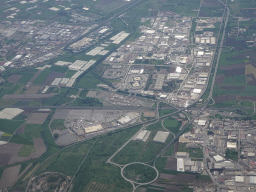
<point>94,168</point>
<point>66,161</point>
<point>139,151</point>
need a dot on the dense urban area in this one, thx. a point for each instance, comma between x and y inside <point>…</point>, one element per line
<point>127,96</point>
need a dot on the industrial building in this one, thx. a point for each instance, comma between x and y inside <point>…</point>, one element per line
<point>143,135</point>
<point>161,137</point>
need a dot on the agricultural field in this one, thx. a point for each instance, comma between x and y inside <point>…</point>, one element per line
<point>235,79</point>
<point>9,126</point>
<point>95,169</point>
<point>66,161</point>
<point>184,7</point>
<point>139,151</point>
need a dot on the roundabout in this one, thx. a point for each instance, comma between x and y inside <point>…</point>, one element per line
<point>139,173</point>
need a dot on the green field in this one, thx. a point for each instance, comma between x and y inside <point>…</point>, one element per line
<point>95,168</point>
<point>139,151</point>
<point>66,161</point>
<point>9,126</point>
<point>26,77</point>
<point>172,125</point>
<point>25,150</point>
<point>163,112</point>
<point>193,153</point>
<point>88,81</point>
<point>59,69</point>
<point>40,79</point>
<point>58,124</point>
<point>140,173</point>
<point>31,132</point>
<point>70,73</point>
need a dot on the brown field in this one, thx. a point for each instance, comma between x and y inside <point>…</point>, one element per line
<point>219,79</point>
<point>249,69</point>
<point>37,118</point>
<point>236,66</point>
<point>171,163</point>
<point>233,72</point>
<point>224,98</point>
<point>250,79</point>
<point>9,152</point>
<point>14,78</point>
<point>40,146</point>
<point>32,90</point>
<point>9,176</point>
<point>27,111</point>
<point>29,96</point>
<point>232,87</point>
<point>250,98</point>
<point>51,77</point>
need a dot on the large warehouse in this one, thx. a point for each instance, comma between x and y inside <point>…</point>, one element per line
<point>161,137</point>
<point>143,135</point>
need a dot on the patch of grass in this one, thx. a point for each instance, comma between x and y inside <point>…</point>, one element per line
<point>193,153</point>
<point>140,173</point>
<point>73,91</point>
<point>9,126</point>
<point>232,154</point>
<point>92,102</point>
<point>246,104</point>
<point>83,94</point>
<point>31,132</point>
<point>58,124</point>
<point>35,103</point>
<point>172,125</point>
<point>40,79</point>
<point>24,165</point>
<point>20,117</point>
<point>26,150</point>
<point>7,135</point>
<point>88,81</point>
<point>163,112</point>
<point>95,167</point>
<point>70,73</point>
<point>67,161</point>
<point>59,69</point>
